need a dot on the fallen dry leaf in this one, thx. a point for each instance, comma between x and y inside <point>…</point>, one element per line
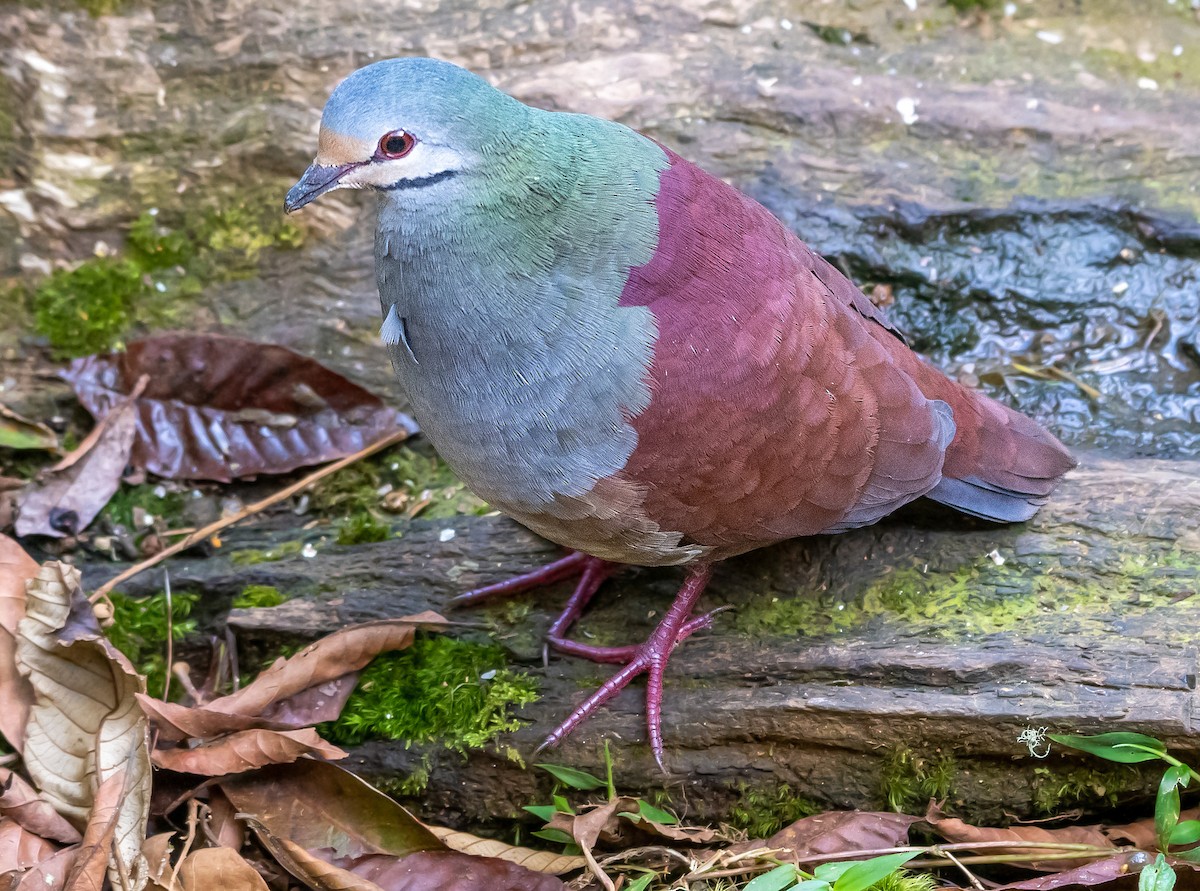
<point>50,874</point>
<point>157,851</point>
<point>1141,833</point>
<point>538,861</point>
<point>308,868</point>
<point>317,677</point>
<point>68,496</point>
<point>211,868</point>
<point>21,802</point>
<point>85,725</point>
<point>1098,872</point>
<point>246,750</point>
<point>836,832</point>
<point>21,849</point>
<point>319,805</point>
<point>451,871</point>
<point>16,568</point>
<point>223,826</point>
<point>955,830</point>
<point>96,852</point>
<point>221,407</point>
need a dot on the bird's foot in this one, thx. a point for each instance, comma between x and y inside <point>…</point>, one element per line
<point>624,655</point>
<point>575,563</point>
<point>650,659</point>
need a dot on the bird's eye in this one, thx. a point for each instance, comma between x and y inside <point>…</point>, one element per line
<point>396,144</point>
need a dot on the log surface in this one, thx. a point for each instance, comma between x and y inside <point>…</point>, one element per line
<point>928,634</point>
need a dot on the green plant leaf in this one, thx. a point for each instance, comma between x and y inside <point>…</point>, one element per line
<point>554,835</point>
<point>831,872</point>
<point>811,885</point>
<point>1166,804</point>
<point>863,875</point>
<point>563,806</point>
<point>655,815</point>
<point>1122,747</point>
<point>776,880</point>
<point>640,884</point>
<point>1158,876</point>
<point>544,812</point>
<point>1186,833</point>
<point>575,779</point>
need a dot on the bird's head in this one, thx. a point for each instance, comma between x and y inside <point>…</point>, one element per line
<point>408,126</point>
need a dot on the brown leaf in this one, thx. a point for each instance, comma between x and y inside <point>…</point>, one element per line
<point>21,849</point>
<point>85,726</point>
<point>955,830</point>
<point>21,802</point>
<point>295,691</point>
<point>50,874</point>
<point>319,805</point>
<point>246,750</point>
<point>224,827</point>
<point>308,868</point>
<point>16,567</point>
<point>212,868</point>
<point>836,832</point>
<point>157,851</point>
<point>96,851</point>
<point>221,407</point>
<point>1142,833</point>
<point>1098,872</point>
<point>538,861</point>
<point>68,496</point>
<point>451,871</point>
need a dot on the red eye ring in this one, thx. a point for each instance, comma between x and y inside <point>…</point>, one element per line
<point>396,144</point>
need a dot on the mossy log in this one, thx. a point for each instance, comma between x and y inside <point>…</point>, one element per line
<point>876,667</point>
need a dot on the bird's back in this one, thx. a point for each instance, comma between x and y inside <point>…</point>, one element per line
<point>785,404</point>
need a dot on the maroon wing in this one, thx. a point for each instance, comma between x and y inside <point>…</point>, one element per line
<point>776,411</point>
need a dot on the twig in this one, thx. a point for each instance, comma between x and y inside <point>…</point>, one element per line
<point>595,869</point>
<point>257,507</point>
<point>170,634</point>
<point>970,875</point>
<point>193,818</point>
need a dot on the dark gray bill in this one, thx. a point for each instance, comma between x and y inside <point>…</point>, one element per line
<point>316,181</point>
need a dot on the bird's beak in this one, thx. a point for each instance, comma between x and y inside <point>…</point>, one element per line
<point>316,181</point>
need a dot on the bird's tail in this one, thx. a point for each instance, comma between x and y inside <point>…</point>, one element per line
<point>1001,465</point>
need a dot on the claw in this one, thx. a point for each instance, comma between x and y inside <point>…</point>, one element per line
<point>650,659</point>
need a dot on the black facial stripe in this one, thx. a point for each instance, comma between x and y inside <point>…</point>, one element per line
<point>420,182</point>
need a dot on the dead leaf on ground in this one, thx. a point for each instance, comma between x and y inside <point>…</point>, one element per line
<point>538,861</point>
<point>1098,872</point>
<point>21,849</point>
<point>16,568</point>
<point>96,853</point>
<point>212,868</point>
<point>309,868</point>
<point>17,432</point>
<point>223,826</point>
<point>307,688</point>
<point>50,874</point>
<point>85,725</point>
<point>955,830</point>
<point>66,498</point>
<point>246,750</point>
<point>21,802</point>
<point>222,407</point>
<point>836,832</point>
<point>157,851</point>
<point>319,805</point>
<point>451,871</point>
<point>1141,833</point>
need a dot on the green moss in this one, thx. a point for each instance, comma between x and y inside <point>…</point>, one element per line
<point>362,529</point>
<point>984,598</point>
<point>403,480</point>
<point>256,596</point>
<point>1056,790</point>
<point>435,691</point>
<point>910,779</point>
<point>167,506</point>
<point>762,811</point>
<point>973,5</point>
<point>253,556</point>
<point>139,630</point>
<point>902,880</point>
<point>168,257</point>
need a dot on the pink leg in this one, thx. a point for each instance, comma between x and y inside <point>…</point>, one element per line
<point>573,564</point>
<point>650,659</point>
